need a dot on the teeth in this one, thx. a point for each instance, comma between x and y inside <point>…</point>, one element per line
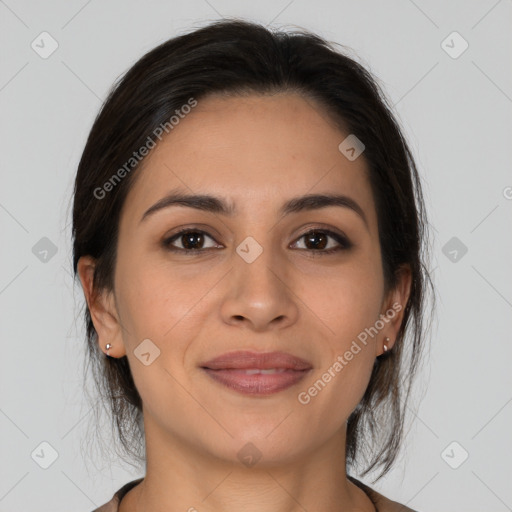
<point>267,371</point>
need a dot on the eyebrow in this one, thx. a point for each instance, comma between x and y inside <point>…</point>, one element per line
<point>218,205</point>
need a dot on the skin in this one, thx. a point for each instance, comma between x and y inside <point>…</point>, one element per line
<point>256,152</point>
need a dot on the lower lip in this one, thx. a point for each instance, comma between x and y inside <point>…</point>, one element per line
<point>257,384</point>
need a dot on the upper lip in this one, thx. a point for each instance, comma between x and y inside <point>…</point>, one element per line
<point>245,360</point>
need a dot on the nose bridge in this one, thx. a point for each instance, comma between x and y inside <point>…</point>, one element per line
<point>258,291</point>
<point>256,266</point>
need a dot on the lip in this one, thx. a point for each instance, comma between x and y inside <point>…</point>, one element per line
<point>244,360</point>
<point>254,373</point>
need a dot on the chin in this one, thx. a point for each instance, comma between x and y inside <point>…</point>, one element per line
<point>254,447</point>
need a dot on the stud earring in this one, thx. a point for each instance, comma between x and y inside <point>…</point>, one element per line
<point>108,346</point>
<point>385,346</point>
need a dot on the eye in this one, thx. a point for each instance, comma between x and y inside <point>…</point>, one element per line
<point>189,240</point>
<point>317,240</point>
<point>321,241</point>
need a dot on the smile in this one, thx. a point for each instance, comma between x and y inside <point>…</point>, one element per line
<point>257,373</point>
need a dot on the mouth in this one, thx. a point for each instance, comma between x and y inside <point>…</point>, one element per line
<point>253,373</point>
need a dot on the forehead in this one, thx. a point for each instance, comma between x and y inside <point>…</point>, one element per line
<point>257,150</point>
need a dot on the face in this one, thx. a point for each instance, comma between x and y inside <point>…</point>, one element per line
<point>303,278</point>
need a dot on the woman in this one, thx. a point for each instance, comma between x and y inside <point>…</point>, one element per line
<point>248,232</point>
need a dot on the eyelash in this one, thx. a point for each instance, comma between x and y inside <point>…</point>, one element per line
<point>342,240</point>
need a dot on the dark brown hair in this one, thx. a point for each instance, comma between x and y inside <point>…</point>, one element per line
<point>235,57</point>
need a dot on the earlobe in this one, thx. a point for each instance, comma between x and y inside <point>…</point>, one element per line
<point>102,309</point>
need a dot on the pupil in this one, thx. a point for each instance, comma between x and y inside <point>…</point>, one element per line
<point>189,240</point>
<point>316,235</point>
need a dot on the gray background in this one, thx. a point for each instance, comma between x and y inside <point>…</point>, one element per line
<point>456,113</point>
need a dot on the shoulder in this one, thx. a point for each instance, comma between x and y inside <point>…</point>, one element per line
<point>113,504</point>
<point>386,505</point>
<point>383,504</point>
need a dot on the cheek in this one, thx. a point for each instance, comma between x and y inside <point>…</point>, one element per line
<point>347,356</point>
<point>154,296</point>
<point>347,307</point>
<point>347,301</point>
<point>156,303</point>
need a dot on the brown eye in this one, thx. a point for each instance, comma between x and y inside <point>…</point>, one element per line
<point>192,240</point>
<point>323,241</point>
<point>189,240</point>
<point>316,240</point>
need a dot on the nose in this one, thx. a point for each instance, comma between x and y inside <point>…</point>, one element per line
<point>260,295</point>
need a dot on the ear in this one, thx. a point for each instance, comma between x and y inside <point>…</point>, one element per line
<point>102,309</point>
<point>393,308</point>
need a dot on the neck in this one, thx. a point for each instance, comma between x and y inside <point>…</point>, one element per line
<point>180,476</point>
